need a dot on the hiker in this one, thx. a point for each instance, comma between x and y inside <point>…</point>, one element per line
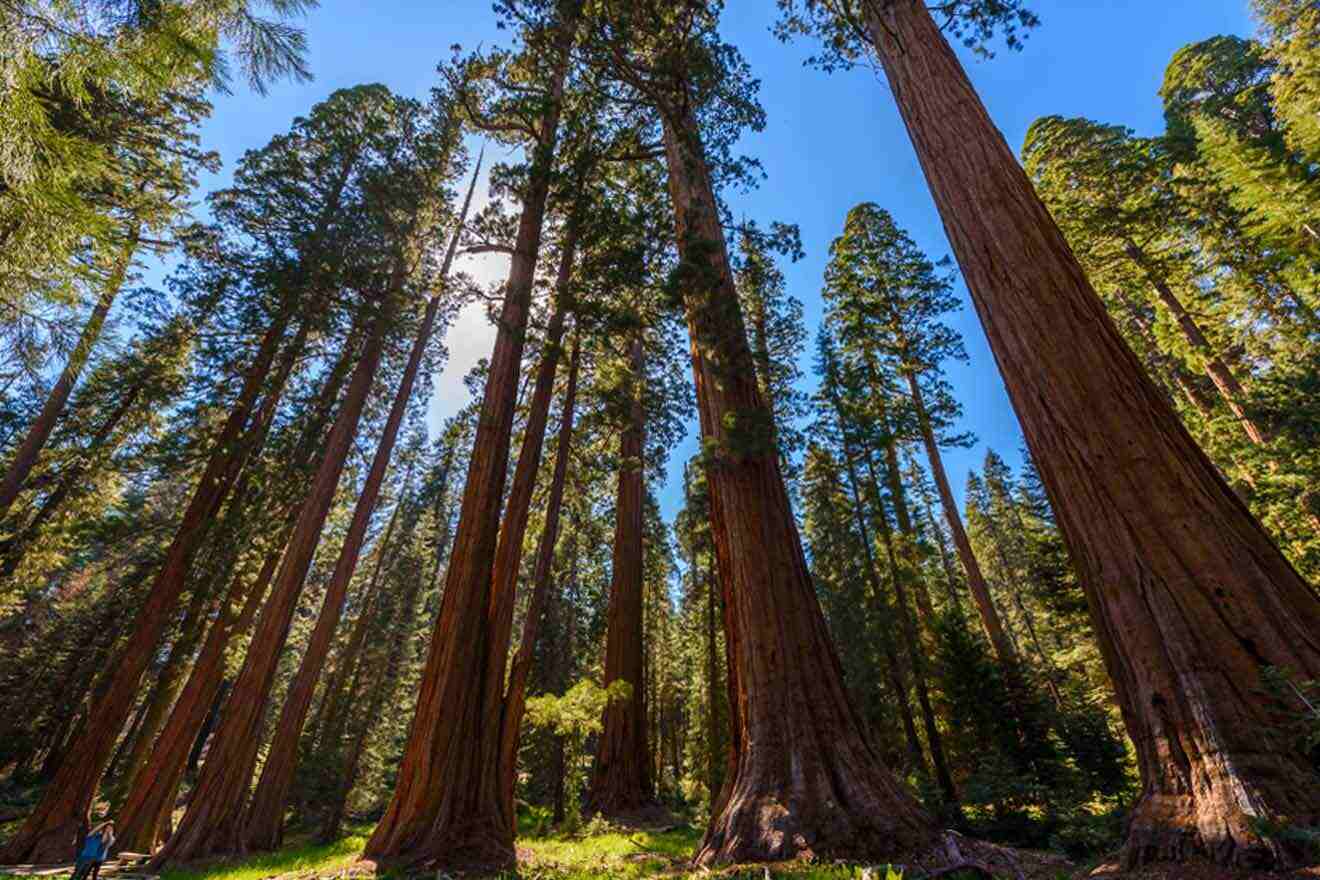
<point>95,849</point>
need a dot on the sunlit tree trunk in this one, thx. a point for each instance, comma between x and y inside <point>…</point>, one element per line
<point>445,806</point>
<point>804,778</point>
<point>1190,597</point>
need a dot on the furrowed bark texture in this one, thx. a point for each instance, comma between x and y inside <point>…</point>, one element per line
<point>213,822</point>
<point>804,779</point>
<point>48,834</point>
<point>435,814</point>
<point>1189,596</point>
<point>621,778</point>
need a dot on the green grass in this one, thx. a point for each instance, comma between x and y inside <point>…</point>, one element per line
<point>626,854</point>
<point>303,858</point>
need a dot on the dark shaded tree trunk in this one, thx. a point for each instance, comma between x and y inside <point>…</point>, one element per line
<point>804,779</point>
<point>49,831</point>
<point>621,780</point>
<point>515,699</point>
<point>25,457</point>
<point>384,680</point>
<point>1190,597</point>
<point>897,673</point>
<point>902,576</point>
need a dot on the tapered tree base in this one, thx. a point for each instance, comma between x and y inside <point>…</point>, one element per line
<point>1167,828</point>
<point>476,844</point>
<point>774,814</point>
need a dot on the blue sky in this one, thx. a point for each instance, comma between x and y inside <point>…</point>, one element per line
<point>831,140</point>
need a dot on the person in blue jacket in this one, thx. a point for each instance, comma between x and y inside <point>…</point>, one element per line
<point>94,851</point>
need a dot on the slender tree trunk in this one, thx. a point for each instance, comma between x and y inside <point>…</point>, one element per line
<point>48,833</point>
<point>13,550</point>
<point>213,822</point>
<point>985,606</point>
<point>265,818</point>
<point>515,699</point>
<point>804,778</point>
<point>1230,389</point>
<point>384,681</point>
<point>168,682</point>
<point>1190,598</point>
<point>903,574</point>
<point>897,673</point>
<point>438,812</point>
<point>621,782</point>
<point>25,457</point>
<point>894,480</point>
<point>208,727</point>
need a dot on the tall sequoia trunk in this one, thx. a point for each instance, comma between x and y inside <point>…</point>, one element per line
<point>49,832</point>
<point>265,819</point>
<point>515,698</point>
<point>435,813</point>
<point>804,779</point>
<point>621,782</point>
<point>976,583</point>
<point>25,457</point>
<point>151,796</point>
<point>213,822</point>
<point>1190,597</point>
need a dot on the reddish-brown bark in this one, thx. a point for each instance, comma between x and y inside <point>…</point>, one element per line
<point>515,698</point>
<point>804,778</point>
<point>265,819</point>
<point>1189,596</point>
<point>621,782</point>
<point>49,832</point>
<point>436,813</point>
<point>25,456</point>
<point>151,796</point>
<point>213,822</point>
<point>976,583</point>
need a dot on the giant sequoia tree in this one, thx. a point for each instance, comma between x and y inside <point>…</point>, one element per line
<point>1122,472</point>
<point>805,778</point>
<point>447,805</point>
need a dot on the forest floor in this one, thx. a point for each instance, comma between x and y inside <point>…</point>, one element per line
<point>600,851</point>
